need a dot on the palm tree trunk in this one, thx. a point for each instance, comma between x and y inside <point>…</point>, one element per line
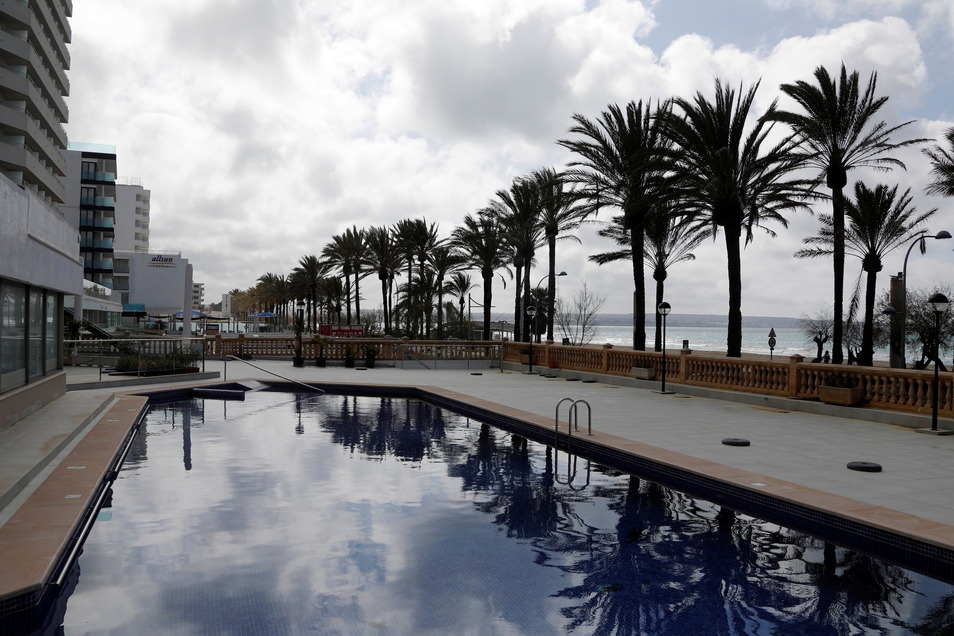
<point>348,295</point>
<point>551,284</point>
<point>734,260</point>
<point>517,305</point>
<point>838,260</point>
<point>528,333</point>
<point>384,301</point>
<point>488,277</point>
<point>866,355</point>
<point>440,307</point>
<point>639,289</point>
<point>357,297</point>
<point>660,296</point>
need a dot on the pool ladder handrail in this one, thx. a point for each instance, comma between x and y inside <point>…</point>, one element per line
<point>226,378</point>
<point>573,421</point>
<point>570,470</point>
<point>573,418</point>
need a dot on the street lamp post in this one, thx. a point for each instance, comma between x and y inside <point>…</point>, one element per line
<point>897,359</point>
<point>664,308</point>
<point>939,304</point>
<point>550,306</point>
<point>532,313</point>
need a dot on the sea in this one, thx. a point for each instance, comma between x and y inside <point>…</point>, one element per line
<point>788,340</point>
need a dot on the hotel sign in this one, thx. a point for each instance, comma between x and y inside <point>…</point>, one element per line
<point>162,261</point>
<point>341,331</point>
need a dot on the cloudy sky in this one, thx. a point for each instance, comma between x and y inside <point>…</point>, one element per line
<point>263,127</point>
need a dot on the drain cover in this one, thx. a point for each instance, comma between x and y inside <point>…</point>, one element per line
<point>735,441</point>
<point>865,467</point>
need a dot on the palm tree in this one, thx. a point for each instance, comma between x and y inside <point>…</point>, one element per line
<point>273,291</point>
<point>838,131</point>
<point>309,272</point>
<point>443,260</point>
<point>345,252</point>
<point>384,258</point>
<point>481,240</point>
<point>942,166</point>
<point>878,221</point>
<point>518,210</point>
<point>415,238</point>
<point>670,239</point>
<point>460,285</point>
<point>622,164</point>
<point>727,182</point>
<point>562,211</point>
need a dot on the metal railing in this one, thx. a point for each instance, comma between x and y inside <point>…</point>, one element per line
<point>136,356</point>
<point>225,373</point>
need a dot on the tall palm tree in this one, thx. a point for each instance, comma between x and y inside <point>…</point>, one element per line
<point>384,258</point>
<point>345,252</point>
<point>878,221</point>
<point>481,240</point>
<point>670,239</point>
<point>726,180</point>
<point>621,163</point>
<point>942,166</point>
<point>839,130</point>
<point>561,212</point>
<point>273,293</point>
<point>309,273</point>
<point>415,238</point>
<point>443,259</point>
<point>518,210</point>
<point>460,285</point>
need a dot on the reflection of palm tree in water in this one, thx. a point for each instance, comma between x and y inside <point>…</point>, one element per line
<point>671,562</point>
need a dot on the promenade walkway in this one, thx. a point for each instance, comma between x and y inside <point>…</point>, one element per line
<point>794,454</point>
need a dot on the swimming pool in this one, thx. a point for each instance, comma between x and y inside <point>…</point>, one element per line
<point>295,514</point>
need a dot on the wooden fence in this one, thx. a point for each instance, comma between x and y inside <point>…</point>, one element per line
<point>881,387</point>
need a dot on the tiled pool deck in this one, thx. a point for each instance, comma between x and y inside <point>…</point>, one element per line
<point>51,463</point>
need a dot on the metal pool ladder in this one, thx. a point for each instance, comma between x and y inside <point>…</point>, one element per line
<point>573,419</point>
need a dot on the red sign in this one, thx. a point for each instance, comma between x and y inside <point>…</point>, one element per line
<point>342,331</point>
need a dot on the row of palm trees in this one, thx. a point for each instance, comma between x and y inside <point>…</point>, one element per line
<point>675,172</point>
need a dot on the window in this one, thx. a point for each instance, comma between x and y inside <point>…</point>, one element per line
<point>13,309</point>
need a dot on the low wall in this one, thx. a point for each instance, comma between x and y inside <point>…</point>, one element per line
<point>882,387</point>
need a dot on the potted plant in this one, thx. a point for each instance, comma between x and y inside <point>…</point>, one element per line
<point>349,357</point>
<point>321,360</point>
<point>840,390</point>
<point>370,353</point>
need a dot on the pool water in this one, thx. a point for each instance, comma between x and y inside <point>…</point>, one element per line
<point>344,515</point>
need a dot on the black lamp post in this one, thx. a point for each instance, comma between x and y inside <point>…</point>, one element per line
<point>664,308</point>
<point>898,357</point>
<point>939,304</point>
<point>532,312</point>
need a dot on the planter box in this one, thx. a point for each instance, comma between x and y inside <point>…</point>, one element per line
<point>840,395</point>
<point>643,373</point>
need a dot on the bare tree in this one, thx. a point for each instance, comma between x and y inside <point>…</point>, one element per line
<point>577,318</point>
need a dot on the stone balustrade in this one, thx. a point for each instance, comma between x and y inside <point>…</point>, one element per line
<point>882,387</point>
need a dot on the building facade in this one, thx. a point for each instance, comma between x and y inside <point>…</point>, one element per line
<point>90,206</point>
<point>132,216</point>
<point>198,295</point>
<point>39,249</point>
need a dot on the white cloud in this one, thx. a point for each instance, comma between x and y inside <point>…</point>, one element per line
<point>264,128</point>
